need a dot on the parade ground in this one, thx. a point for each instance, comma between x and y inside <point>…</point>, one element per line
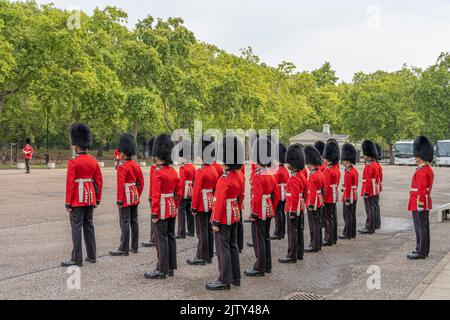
<point>35,237</point>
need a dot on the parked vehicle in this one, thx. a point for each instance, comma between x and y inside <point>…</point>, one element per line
<point>443,153</point>
<point>403,153</point>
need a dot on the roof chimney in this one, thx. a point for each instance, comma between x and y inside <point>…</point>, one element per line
<point>327,129</point>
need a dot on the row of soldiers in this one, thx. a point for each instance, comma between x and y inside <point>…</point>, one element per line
<point>212,199</point>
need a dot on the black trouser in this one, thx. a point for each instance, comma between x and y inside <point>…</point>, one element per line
<point>82,220</point>
<point>185,215</point>
<point>369,204</point>
<point>350,221</point>
<point>27,165</point>
<point>228,253</point>
<point>280,220</point>
<point>296,241</point>
<point>422,228</point>
<point>205,246</point>
<point>152,232</point>
<point>240,235</point>
<point>166,245</point>
<point>128,218</point>
<point>377,212</point>
<point>261,241</point>
<point>329,213</point>
<point>314,229</point>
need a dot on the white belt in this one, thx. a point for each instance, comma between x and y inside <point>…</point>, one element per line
<point>81,183</point>
<point>205,197</point>
<point>299,206</point>
<point>318,194</point>
<point>265,197</point>
<point>335,192</point>
<point>127,191</point>
<point>283,191</point>
<point>187,183</point>
<point>230,210</point>
<point>414,190</point>
<point>163,204</point>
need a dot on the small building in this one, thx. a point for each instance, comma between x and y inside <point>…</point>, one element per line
<point>309,137</point>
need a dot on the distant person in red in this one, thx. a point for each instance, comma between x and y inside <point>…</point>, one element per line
<point>130,184</point>
<point>117,157</point>
<point>282,177</point>
<point>28,152</point>
<point>84,185</point>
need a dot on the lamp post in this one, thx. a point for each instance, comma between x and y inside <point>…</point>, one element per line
<point>11,155</point>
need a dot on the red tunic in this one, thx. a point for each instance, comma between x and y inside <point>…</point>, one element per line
<point>332,176</point>
<point>350,190</point>
<point>84,182</point>
<point>228,199</point>
<point>295,194</point>
<point>421,187</point>
<point>187,175</point>
<point>204,185</point>
<point>218,168</point>
<point>28,151</point>
<point>165,193</point>
<point>380,177</point>
<point>315,186</point>
<point>370,178</point>
<point>151,179</point>
<point>243,188</point>
<point>130,184</point>
<point>265,194</point>
<point>117,155</point>
<point>282,177</point>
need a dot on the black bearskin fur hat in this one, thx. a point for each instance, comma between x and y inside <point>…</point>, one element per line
<point>162,148</point>
<point>349,153</point>
<point>332,152</point>
<point>320,146</point>
<point>282,153</point>
<point>27,141</point>
<point>236,160</point>
<point>127,144</point>
<point>312,156</point>
<point>370,149</point>
<point>295,156</point>
<point>423,149</point>
<point>80,135</point>
<point>186,150</point>
<point>262,152</point>
<point>380,152</point>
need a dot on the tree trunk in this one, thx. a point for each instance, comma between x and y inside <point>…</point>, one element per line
<point>100,150</point>
<point>166,116</point>
<point>135,131</point>
<point>391,154</point>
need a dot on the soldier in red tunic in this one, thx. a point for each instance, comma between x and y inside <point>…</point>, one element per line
<point>187,175</point>
<point>282,177</point>
<point>370,185</point>
<point>240,232</point>
<point>314,197</point>
<point>295,204</point>
<point>84,185</point>
<point>165,199</point>
<point>350,190</point>
<point>202,200</point>
<point>227,214</point>
<point>420,202</point>
<point>130,185</point>
<point>152,241</point>
<point>379,188</point>
<point>28,152</point>
<point>117,157</point>
<point>265,198</point>
<point>332,175</point>
<point>320,146</point>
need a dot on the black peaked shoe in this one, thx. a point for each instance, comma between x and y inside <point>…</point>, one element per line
<point>254,273</point>
<point>196,262</point>
<point>171,273</point>
<point>217,286</point>
<point>236,283</point>
<point>118,253</point>
<point>70,263</point>
<point>365,231</point>
<point>311,250</point>
<point>287,260</point>
<point>415,256</point>
<point>93,261</point>
<point>155,275</point>
<point>148,244</point>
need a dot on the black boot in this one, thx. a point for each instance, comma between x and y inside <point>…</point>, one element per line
<point>171,273</point>
<point>286,260</point>
<point>70,263</point>
<point>119,253</point>
<point>254,273</point>
<point>196,262</point>
<point>90,260</point>
<point>216,286</point>
<point>155,275</point>
<point>311,250</point>
<point>236,283</point>
<point>415,256</point>
<point>148,244</point>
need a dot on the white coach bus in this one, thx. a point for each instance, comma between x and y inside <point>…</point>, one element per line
<point>443,153</point>
<point>403,153</point>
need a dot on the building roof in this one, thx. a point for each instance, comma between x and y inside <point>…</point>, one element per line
<point>320,136</point>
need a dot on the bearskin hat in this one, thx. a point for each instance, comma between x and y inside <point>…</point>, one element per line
<point>127,144</point>
<point>232,144</point>
<point>185,148</point>
<point>208,142</point>
<point>423,149</point>
<point>370,149</point>
<point>80,135</point>
<point>27,141</point>
<point>380,152</point>
<point>332,152</point>
<point>162,148</point>
<point>349,153</point>
<point>281,153</point>
<point>320,146</point>
<point>150,144</point>
<point>312,156</point>
<point>262,152</point>
<point>295,156</point>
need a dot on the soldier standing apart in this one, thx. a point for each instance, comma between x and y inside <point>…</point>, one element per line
<point>282,177</point>
<point>152,241</point>
<point>165,199</point>
<point>28,154</point>
<point>117,157</point>
<point>295,204</point>
<point>314,197</point>
<point>240,232</point>
<point>350,190</point>
<point>84,185</point>
<point>202,201</point>
<point>332,176</point>
<point>130,184</point>
<point>227,214</point>
<point>187,175</point>
<point>370,185</point>
<point>379,188</point>
<point>320,146</point>
<point>265,198</point>
<point>420,202</point>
